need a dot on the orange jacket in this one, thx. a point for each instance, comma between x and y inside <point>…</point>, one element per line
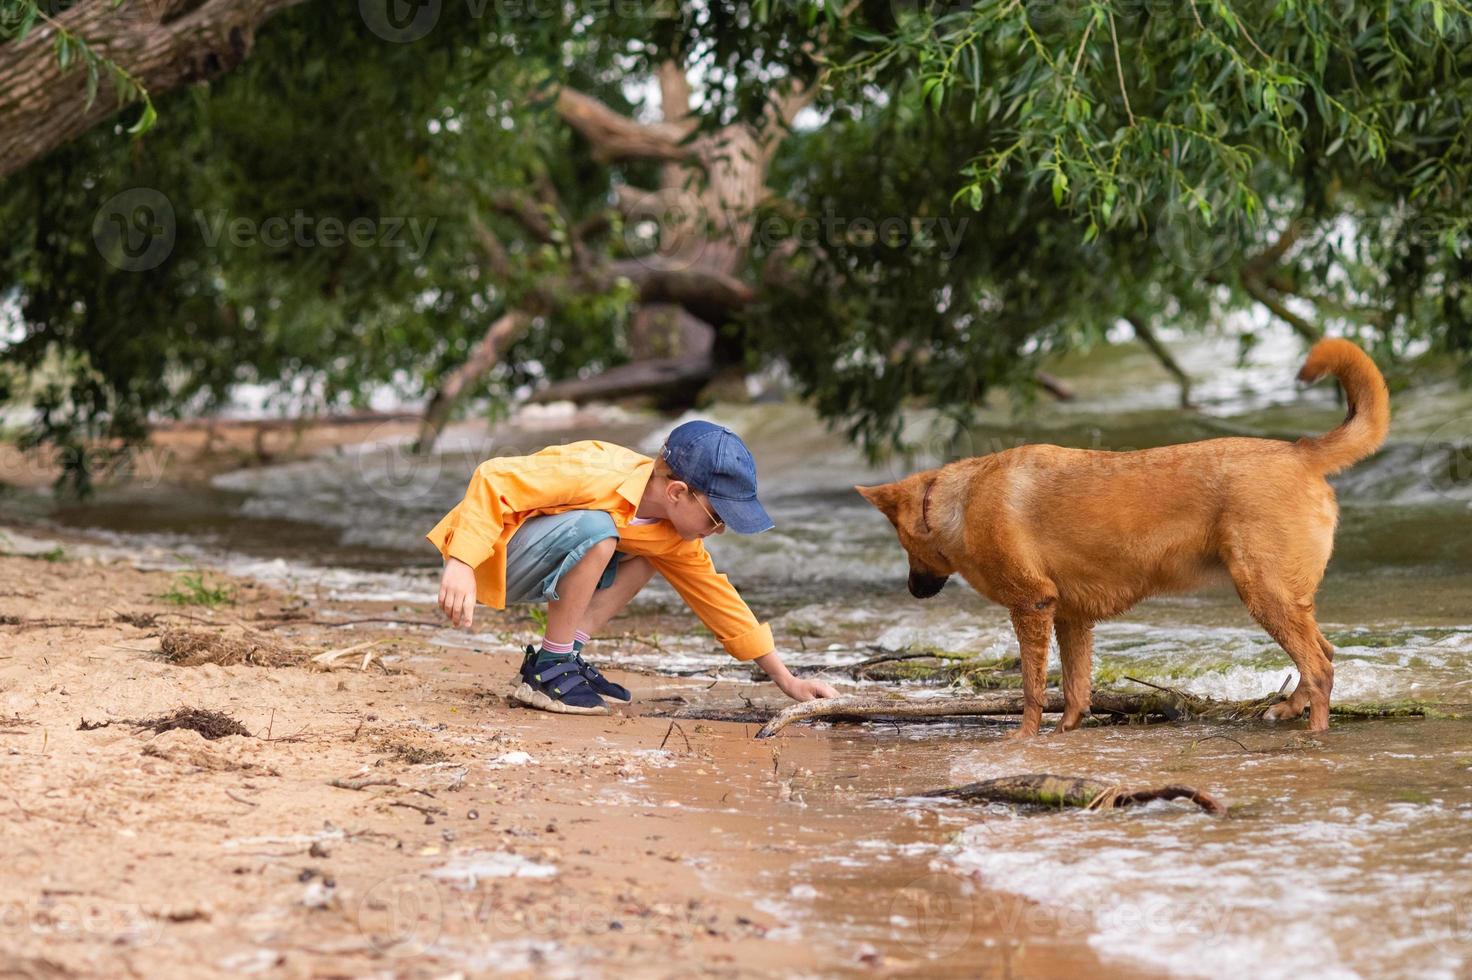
<point>590,475</point>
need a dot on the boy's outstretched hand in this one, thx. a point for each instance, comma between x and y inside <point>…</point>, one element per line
<point>796,688</point>
<point>807,689</point>
<point>457,592</point>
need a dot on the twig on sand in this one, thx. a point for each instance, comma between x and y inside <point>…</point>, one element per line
<point>429,811</point>
<point>675,727</point>
<point>363,783</point>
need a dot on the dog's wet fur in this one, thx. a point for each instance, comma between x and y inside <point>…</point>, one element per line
<point>1064,538</point>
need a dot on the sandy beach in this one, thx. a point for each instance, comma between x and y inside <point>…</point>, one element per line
<point>477,838</point>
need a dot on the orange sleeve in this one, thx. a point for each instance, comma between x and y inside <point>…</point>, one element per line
<point>712,597</point>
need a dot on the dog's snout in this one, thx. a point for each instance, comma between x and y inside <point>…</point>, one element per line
<point>923,586</point>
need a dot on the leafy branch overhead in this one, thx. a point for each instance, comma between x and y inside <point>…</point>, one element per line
<point>903,204</point>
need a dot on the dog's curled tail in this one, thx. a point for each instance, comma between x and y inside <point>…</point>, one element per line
<point>1365,426</point>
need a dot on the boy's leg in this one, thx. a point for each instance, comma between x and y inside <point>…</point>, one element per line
<point>559,559</point>
<point>575,592</point>
<point>633,574</point>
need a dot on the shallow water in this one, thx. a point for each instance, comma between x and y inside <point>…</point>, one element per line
<point>1349,854</point>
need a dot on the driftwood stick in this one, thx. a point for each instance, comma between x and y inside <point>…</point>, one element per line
<point>1160,702</point>
<point>999,703</point>
<point>1046,789</point>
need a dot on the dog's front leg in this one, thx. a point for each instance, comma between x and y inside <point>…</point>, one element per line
<point>1076,653</point>
<point>1034,626</point>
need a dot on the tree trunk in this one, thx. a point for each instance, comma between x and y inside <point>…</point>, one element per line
<point>162,43</point>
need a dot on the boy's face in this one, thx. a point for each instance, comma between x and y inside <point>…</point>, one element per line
<point>690,512</point>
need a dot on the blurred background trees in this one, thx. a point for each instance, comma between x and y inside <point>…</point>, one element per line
<point>897,202</point>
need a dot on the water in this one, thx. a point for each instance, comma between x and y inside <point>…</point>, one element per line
<point>1346,855</point>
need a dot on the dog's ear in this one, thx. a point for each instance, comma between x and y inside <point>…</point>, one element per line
<point>885,497</point>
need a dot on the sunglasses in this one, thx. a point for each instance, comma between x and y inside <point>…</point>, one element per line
<point>716,524</point>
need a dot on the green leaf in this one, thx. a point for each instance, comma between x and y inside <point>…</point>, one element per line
<point>145,121</point>
<point>1060,187</point>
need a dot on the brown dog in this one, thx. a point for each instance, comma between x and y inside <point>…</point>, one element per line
<point>1066,537</point>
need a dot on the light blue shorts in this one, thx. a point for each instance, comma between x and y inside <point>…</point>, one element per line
<point>545,547</point>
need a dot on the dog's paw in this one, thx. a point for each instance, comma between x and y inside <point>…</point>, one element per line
<point>1283,711</point>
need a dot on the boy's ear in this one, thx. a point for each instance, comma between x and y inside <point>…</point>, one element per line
<point>885,497</point>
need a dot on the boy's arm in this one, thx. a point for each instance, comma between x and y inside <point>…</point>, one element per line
<point>796,688</point>
<point>713,598</point>
<point>498,488</point>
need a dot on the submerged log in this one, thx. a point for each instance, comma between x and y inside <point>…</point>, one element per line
<point>1159,703</point>
<point>1045,789</point>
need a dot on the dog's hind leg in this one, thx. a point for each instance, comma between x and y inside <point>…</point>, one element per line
<point>1289,620</point>
<point>1034,626</point>
<point>1076,651</point>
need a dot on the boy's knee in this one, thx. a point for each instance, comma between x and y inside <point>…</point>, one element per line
<point>596,523</point>
<point>641,569</point>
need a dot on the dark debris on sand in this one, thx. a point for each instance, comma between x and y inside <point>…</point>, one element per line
<point>210,724</point>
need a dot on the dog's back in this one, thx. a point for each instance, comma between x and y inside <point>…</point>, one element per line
<point>1113,527</point>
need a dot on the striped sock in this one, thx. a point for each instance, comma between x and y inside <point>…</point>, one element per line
<point>579,640</point>
<point>551,653</point>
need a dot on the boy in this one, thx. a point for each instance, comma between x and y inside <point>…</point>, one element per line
<point>583,527</point>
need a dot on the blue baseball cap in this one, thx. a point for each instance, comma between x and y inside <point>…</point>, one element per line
<point>713,459</point>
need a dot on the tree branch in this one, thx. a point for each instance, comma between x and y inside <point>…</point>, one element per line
<point>617,137</point>
<point>483,356</point>
<point>163,44</point>
<point>1152,343</point>
<point>1263,295</point>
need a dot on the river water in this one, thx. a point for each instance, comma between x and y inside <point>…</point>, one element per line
<point>1349,854</point>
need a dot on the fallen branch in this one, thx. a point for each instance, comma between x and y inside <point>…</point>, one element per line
<point>1160,703</point>
<point>1045,789</point>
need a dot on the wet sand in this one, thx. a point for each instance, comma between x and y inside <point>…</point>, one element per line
<point>484,838</point>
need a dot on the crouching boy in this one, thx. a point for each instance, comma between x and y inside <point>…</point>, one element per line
<point>583,527</point>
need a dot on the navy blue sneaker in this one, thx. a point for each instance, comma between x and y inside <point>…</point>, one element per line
<point>601,684</point>
<point>559,687</point>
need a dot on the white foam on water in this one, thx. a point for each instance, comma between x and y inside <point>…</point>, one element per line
<point>1268,895</point>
